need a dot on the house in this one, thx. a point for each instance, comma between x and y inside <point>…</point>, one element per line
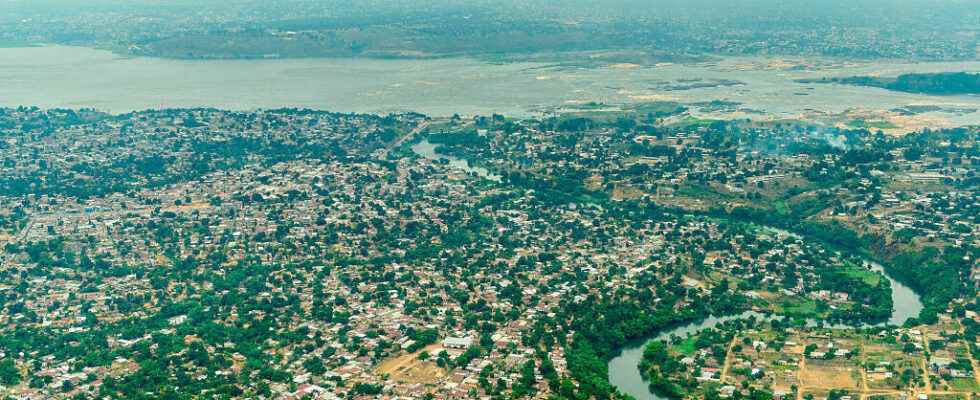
<point>307,391</point>
<point>180,319</point>
<point>708,375</point>
<point>457,342</point>
<point>938,363</point>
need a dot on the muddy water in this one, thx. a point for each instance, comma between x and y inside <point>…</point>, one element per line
<point>75,77</point>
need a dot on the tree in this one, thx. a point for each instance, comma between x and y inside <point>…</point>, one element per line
<point>810,348</point>
<point>314,365</point>
<point>9,374</point>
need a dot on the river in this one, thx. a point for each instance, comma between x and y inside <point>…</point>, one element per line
<point>623,369</point>
<point>75,77</point>
<point>906,302</point>
<point>624,373</point>
<point>428,150</point>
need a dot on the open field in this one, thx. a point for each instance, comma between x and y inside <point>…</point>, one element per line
<point>829,375</point>
<point>868,366</point>
<point>189,207</point>
<point>409,368</point>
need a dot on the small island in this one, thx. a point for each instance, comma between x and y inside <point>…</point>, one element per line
<point>945,83</point>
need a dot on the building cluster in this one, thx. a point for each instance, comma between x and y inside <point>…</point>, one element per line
<point>292,254</point>
<point>805,361</point>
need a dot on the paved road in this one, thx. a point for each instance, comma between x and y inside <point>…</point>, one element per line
<point>407,137</point>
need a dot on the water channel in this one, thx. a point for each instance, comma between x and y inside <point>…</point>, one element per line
<point>623,369</point>
<point>428,150</point>
<point>57,76</point>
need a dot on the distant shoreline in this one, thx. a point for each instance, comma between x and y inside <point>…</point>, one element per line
<point>937,84</point>
<point>19,45</point>
<point>57,76</point>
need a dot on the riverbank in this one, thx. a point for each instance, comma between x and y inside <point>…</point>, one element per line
<point>794,361</point>
<point>624,371</point>
<point>428,150</point>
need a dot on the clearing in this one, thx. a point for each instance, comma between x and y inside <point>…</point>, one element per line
<point>408,368</point>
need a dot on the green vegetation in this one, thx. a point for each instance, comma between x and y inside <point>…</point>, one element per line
<point>612,32</point>
<point>175,253</point>
<point>946,83</point>
<point>865,124</point>
<point>939,275</point>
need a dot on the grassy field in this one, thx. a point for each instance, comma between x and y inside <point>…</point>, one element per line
<point>686,346</point>
<point>964,385</point>
<point>694,122</point>
<point>800,308</point>
<point>869,277</point>
<point>865,124</point>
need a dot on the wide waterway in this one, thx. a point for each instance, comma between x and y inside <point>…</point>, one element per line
<point>74,77</point>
